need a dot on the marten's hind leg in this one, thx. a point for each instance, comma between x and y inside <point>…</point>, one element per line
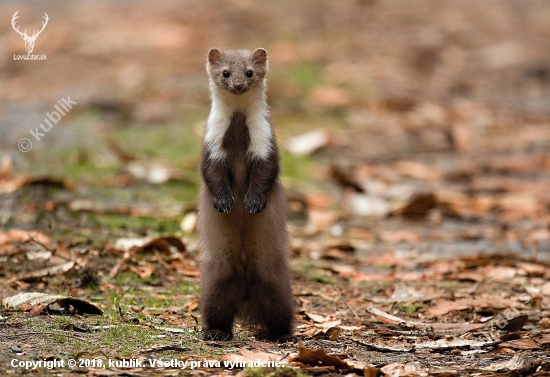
<point>222,294</point>
<point>270,303</point>
<point>272,307</point>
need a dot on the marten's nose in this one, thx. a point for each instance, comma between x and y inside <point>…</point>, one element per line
<point>238,86</point>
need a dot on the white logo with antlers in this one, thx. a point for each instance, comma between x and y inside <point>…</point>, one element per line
<point>29,40</point>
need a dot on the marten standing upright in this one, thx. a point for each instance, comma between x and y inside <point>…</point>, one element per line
<point>242,205</point>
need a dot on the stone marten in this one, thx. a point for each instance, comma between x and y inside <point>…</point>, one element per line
<point>242,204</point>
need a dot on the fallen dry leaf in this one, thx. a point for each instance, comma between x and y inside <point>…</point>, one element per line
<point>532,269</point>
<point>368,205</point>
<point>515,323</point>
<point>318,357</point>
<point>308,143</point>
<point>345,179</point>
<point>245,355</point>
<point>9,239</point>
<point>522,365</point>
<point>499,273</point>
<point>403,293</point>
<point>189,222</point>
<point>153,171</point>
<point>543,340</point>
<point>48,271</point>
<point>385,317</point>
<point>143,271</point>
<point>418,206</point>
<point>417,170</point>
<point>316,317</point>
<point>53,303</point>
<point>23,235</point>
<point>441,328</point>
<point>183,268</point>
<point>520,344</point>
<point>165,244</point>
<point>322,218</point>
<point>11,184</point>
<point>444,307</point>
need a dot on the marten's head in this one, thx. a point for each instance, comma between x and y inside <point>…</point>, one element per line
<point>237,71</point>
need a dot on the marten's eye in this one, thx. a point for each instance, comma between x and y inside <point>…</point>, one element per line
<point>249,73</point>
<point>226,73</point>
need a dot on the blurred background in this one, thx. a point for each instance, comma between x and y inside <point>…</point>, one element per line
<point>386,111</point>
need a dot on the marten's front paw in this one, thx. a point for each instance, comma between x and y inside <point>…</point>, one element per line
<point>224,202</point>
<point>255,201</point>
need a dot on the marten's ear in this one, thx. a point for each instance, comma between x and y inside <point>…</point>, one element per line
<point>214,55</point>
<point>259,55</point>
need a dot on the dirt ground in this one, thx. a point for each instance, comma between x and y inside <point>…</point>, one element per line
<point>414,139</point>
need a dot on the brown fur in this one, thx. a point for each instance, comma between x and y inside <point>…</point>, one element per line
<point>244,240</point>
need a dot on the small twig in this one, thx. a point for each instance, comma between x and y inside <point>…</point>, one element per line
<point>165,348</point>
<point>218,344</point>
<point>117,150</point>
<point>347,305</point>
<point>284,357</point>
<point>535,251</point>
<point>161,260</point>
<point>24,334</point>
<point>31,239</point>
<point>114,271</point>
<point>476,286</point>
